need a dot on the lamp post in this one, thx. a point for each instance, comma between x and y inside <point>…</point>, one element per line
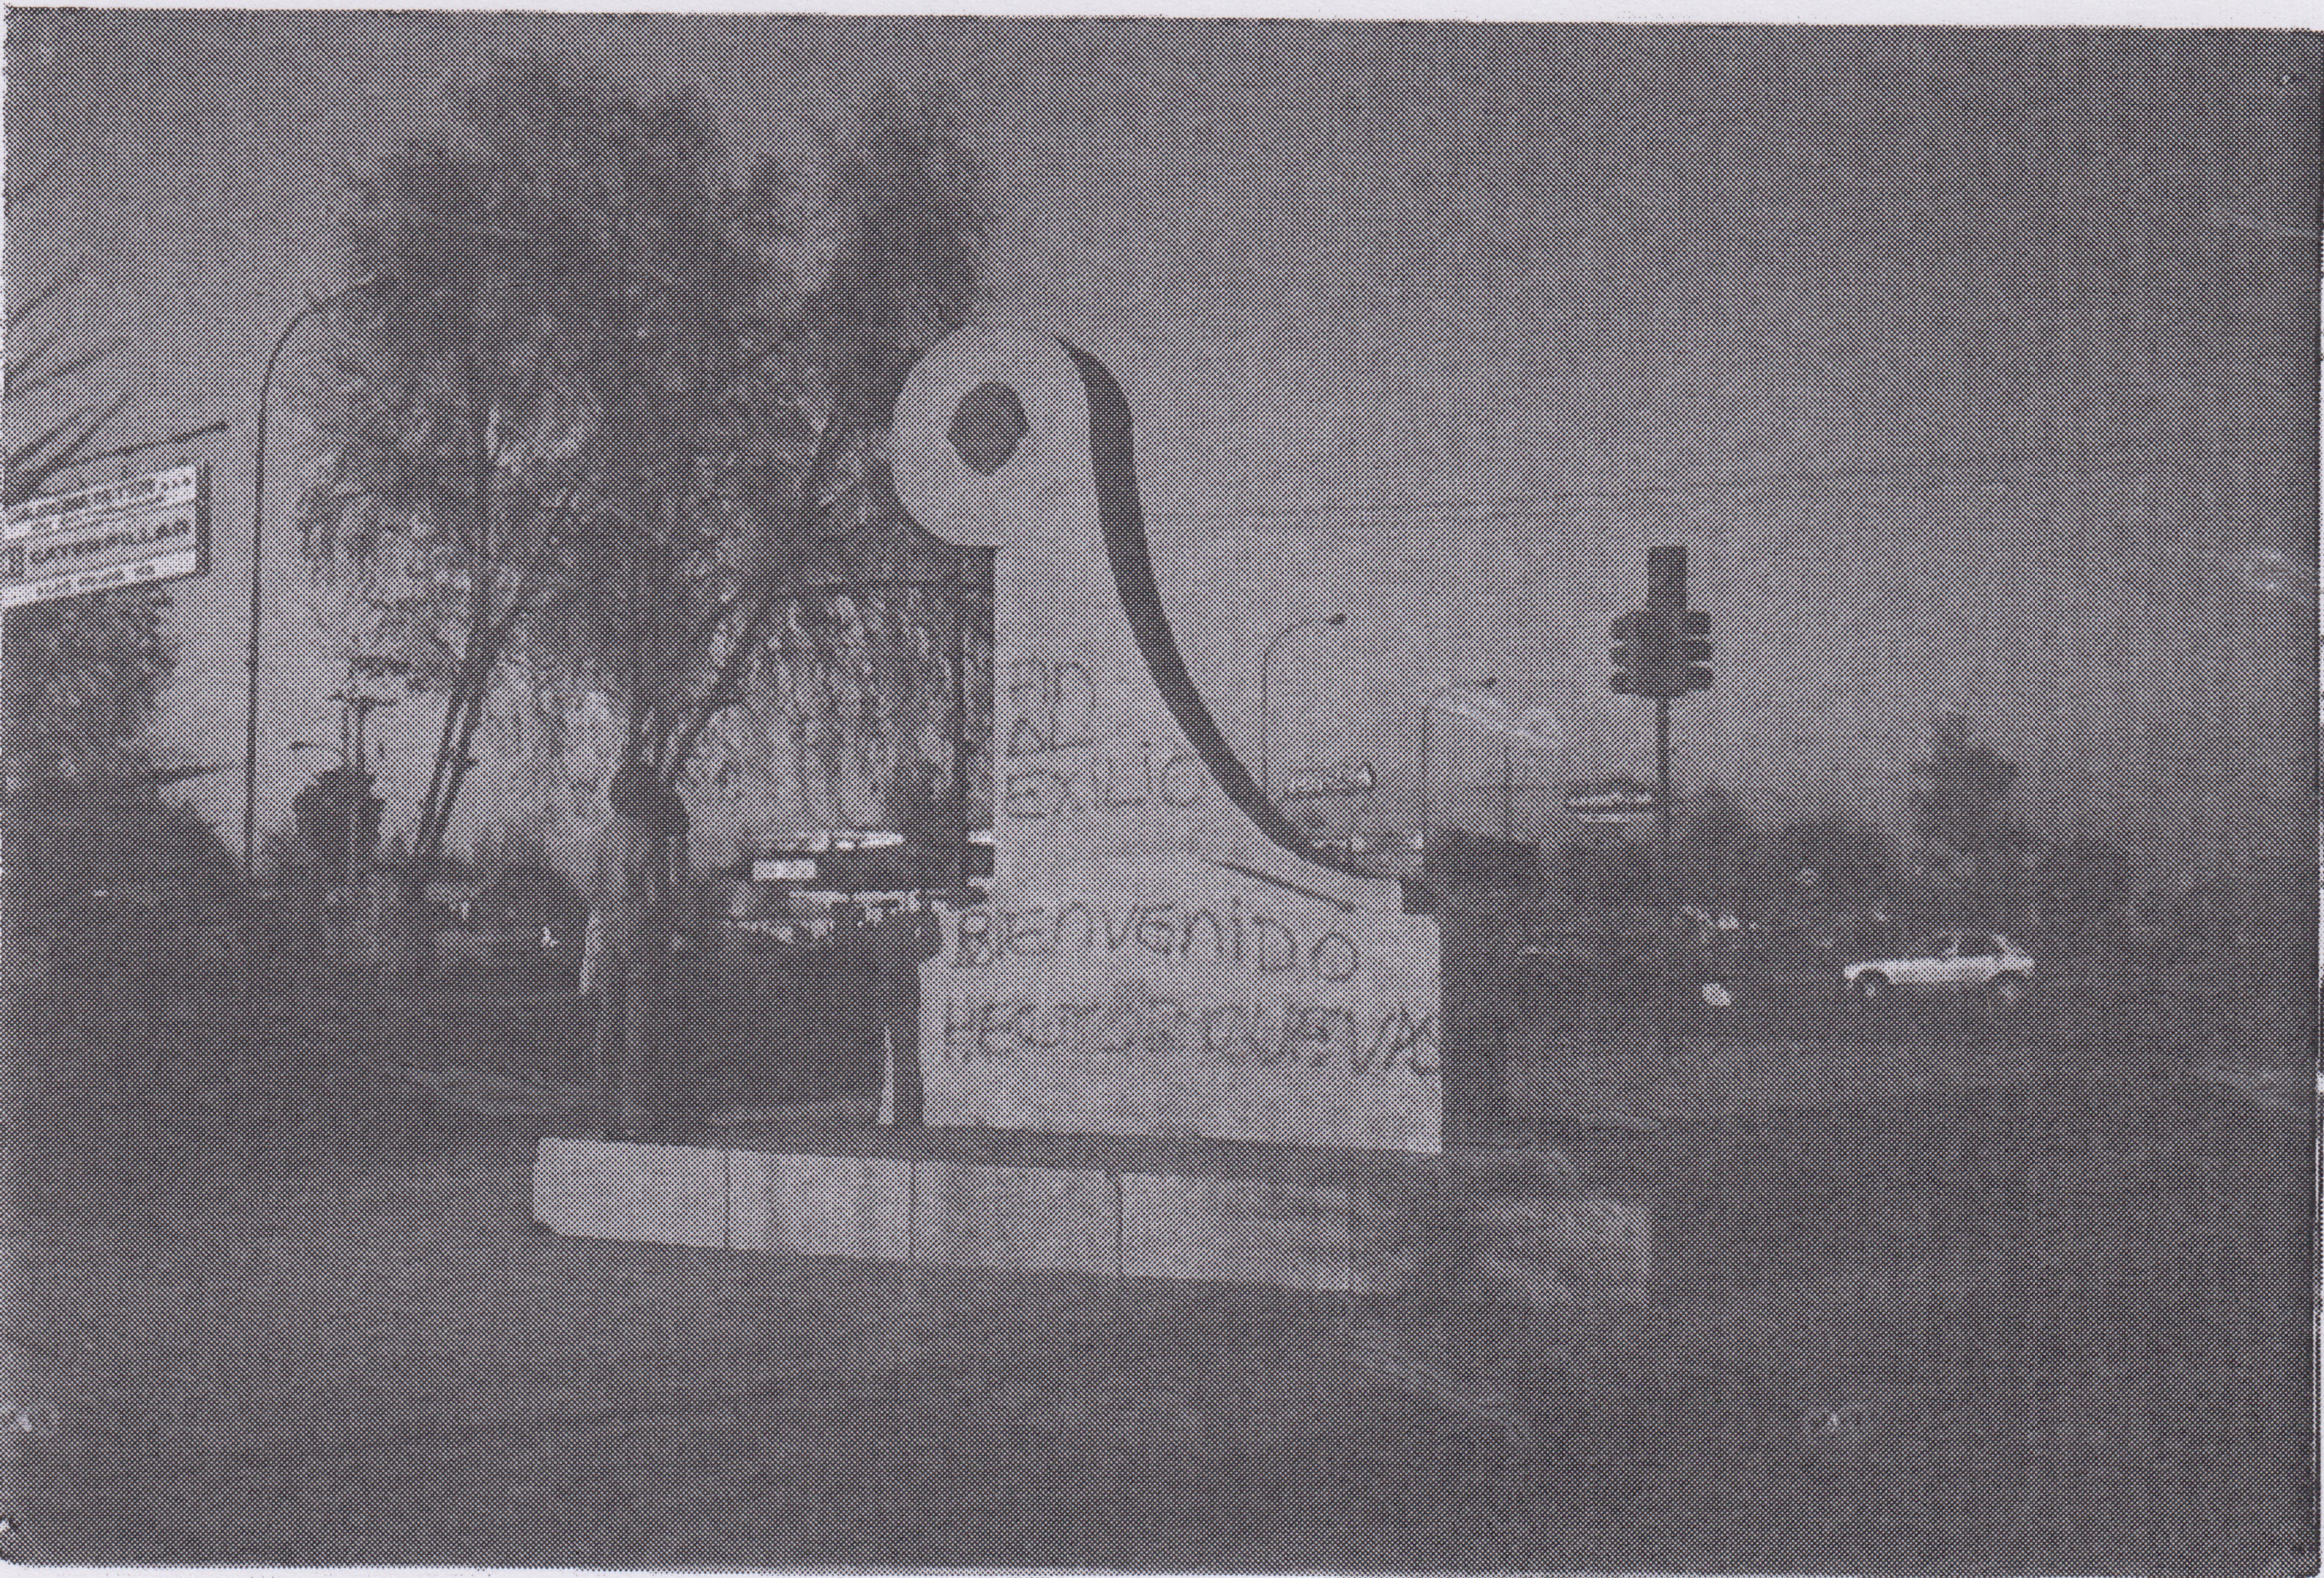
<point>1427,715</point>
<point>257,540</point>
<point>1508,790</point>
<point>1266,672</point>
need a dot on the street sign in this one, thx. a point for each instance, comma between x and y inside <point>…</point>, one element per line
<point>1357,780</point>
<point>154,528</point>
<point>1609,802</point>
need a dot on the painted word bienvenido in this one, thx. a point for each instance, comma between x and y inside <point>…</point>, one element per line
<point>1166,930</point>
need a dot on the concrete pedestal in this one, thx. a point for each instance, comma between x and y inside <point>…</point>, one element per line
<point>1509,1223</point>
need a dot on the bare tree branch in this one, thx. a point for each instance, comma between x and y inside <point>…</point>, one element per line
<point>32,467</point>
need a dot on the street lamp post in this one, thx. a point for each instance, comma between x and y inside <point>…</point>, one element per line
<point>1266,672</point>
<point>1427,715</point>
<point>1509,791</point>
<point>257,540</point>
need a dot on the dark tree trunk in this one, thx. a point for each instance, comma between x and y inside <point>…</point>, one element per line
<point>645,840</point>
<point>413,927</point>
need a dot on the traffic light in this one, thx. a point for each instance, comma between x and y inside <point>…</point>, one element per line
<point>1664,650</point>
<point>1690,653</point>
<point>1665,580</point>
<point>1627,655</point>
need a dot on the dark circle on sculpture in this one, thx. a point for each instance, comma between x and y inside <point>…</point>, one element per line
<point>987,425</point>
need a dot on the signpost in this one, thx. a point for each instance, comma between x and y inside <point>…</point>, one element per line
<point>155,528</point>
<point>133,533</point>
<point>1661,652</point>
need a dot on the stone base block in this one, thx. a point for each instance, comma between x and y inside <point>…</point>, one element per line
<point>632,1194</point>
<point>1521,1238</point>
<point>854,1206</point>
<point>1251,1230</point>
<point>1016,1219</point>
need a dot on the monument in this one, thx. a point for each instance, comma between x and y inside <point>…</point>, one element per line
<point>1167,1043</point>
<point>1158,954</point>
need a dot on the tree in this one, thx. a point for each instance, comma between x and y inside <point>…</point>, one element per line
<point>83,807</point>
<point>1835,860</point>
<point>1605,874</point>
<point>670,387</point>
<point>459,432</point>
<point>1716,859</point>
<point>80,673</point>
<point>2085,884</point>
<point>1961,814</point>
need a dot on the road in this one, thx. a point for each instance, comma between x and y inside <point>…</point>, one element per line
<point>1947,1325</point>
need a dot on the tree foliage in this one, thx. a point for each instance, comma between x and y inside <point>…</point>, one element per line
<point>1836,860</point>
<point>2085,882</point>
<point>81,673</point>
<point>1974,852</point>
<point>609,405</point>
<point>601,406</point>
<point>1962,806</point>
<point>1716,854</point>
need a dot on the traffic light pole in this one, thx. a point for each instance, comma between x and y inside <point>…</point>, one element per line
<point>1665,937</point>
<point>1662,784</point>
<point>1663,652</point>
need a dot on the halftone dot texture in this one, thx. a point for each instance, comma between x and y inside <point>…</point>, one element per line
<point>1977,369</point>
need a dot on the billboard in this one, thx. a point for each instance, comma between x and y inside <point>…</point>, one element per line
<point>154,528</point>
<point>1610,804</point>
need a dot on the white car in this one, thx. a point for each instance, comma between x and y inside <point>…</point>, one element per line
<point>1967,958</point>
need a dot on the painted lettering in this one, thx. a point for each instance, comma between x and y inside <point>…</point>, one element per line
<point>972,946</point>
<point>1027,933</point>
<point>1113,794</point>
<point>1204,918</point>
<point>1223,1030</point>
<point>1052,706</point>
<point>1135,1021</point>
<point>1272,946</point>
<point>1158,932</point>
<point>1400,1036</point>
<point>1164,931</point>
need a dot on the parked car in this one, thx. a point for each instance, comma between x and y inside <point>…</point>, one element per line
<point>1972,960</point>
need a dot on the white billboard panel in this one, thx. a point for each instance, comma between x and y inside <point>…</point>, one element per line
<point>154,528</point>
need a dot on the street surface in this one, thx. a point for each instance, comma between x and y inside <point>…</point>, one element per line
<point>1982,1313</point>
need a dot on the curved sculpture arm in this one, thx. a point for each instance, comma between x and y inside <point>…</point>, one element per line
<point>1122,515</point>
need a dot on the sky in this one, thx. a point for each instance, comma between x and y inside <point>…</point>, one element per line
<point>1977,369</point>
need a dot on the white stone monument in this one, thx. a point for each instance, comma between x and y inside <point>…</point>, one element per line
<point>1158,956</point>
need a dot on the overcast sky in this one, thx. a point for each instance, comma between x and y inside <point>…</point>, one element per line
<point>1977,369</point>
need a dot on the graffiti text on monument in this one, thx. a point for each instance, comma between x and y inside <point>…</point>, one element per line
<point>1168,929</point>
<point>1133,778</point>
<point>1135,1022</point>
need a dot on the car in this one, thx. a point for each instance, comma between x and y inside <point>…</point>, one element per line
<point>1968,959</point>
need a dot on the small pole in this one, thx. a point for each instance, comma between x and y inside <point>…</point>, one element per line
<point>1665,924</point>
<point>1662,782</point>
<point>888,1077</point>
<point>257,542</point>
